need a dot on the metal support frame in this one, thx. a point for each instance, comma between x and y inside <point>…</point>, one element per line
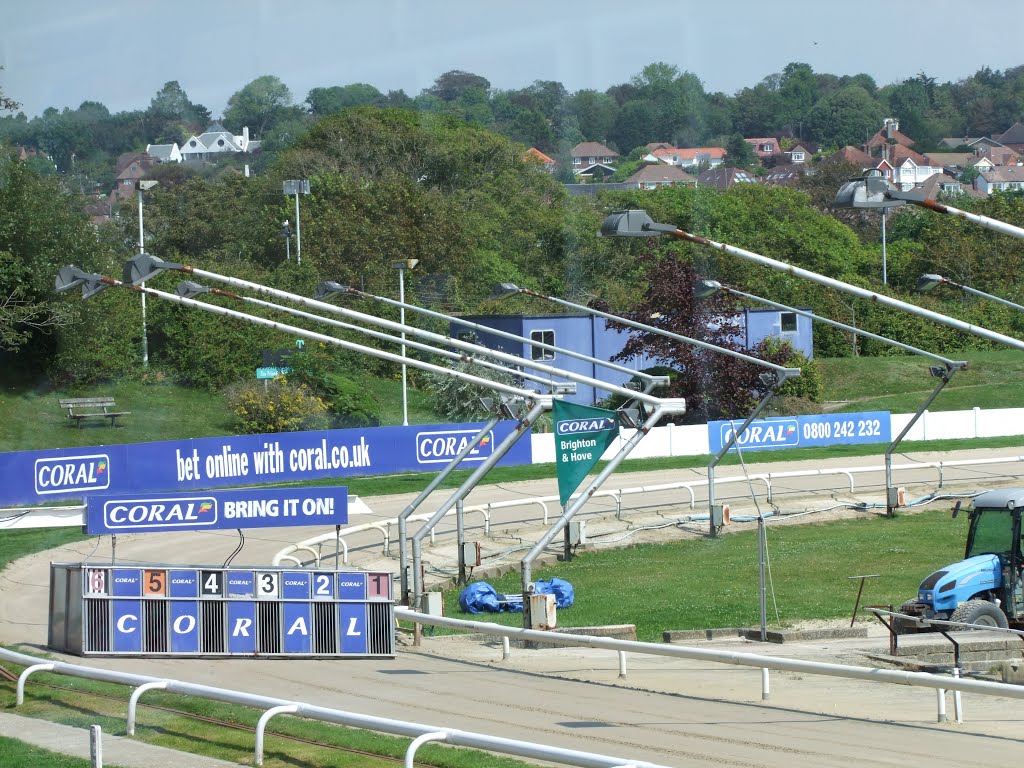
<point>667,408</point>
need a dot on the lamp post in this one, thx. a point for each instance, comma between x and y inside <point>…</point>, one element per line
<point>636,223</point>
<point>141,186</point>
<point>296,187</point>
<point>928,281</point>
<point>401,266</point>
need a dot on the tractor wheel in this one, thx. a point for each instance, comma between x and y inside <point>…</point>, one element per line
<point>906,626</point>
<point>980,612</point>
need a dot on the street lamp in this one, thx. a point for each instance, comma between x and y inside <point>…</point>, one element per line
<point>875,191</point>
<point>774,379</point>
<point>142,185</point>
<point>296,187</point>
<point>401,266</point>
<point>928,281</point>
<point>944,372</point>
<point>636,223</point>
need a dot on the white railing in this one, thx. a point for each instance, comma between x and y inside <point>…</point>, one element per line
<point>273,706</point>
<point>940,683</point>
<point>617,494</point>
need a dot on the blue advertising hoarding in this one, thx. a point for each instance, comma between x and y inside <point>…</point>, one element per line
<point>803,431</point>
<point>39,477</point>
<point>218,510</point>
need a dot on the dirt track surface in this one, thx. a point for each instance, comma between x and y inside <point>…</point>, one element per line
<point>666,711</point>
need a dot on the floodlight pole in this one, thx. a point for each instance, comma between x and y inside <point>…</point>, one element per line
<point>781,375</point>
<point>650,381</point>
<point>945,373</point>
<point>927,282</point>
<point>636,223</point>
<point>141,185</point>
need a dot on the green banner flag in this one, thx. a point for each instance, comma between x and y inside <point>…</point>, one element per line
<point>582,434</point>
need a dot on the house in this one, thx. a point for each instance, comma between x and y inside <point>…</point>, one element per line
<point>766,148</point>
<point>590,335</point>
<point>785,175</point>
<point>1009,178</point>
<point>724,178</point>
<point>879,144</point>
<point>164,153</point>
<point>909,173</point>
<point>652,176</point>
<point>534,155</point>
<point>217,141</point>
<point>1013,138</point>
<point>590,156</point>
<point>944,185</point>
<point>129,169</point>
<point>685,157</point>
<point>797,155</point>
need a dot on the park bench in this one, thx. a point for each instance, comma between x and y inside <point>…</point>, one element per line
<point>81,408</point>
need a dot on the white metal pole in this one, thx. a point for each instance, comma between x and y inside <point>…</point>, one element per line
<point>298,232</point>
<point>885,277</point>
<point>401,319</point>
<point>142,249</point>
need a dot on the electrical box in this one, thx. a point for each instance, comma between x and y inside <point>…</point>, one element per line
<point>433,603</point>
<point>720,515</point>
<point>471,553</point>
<point>542,611</point>
<point>896,497</point>
<point>577,532</point>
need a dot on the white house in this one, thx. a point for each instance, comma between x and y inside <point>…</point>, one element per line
<point>216,140</point>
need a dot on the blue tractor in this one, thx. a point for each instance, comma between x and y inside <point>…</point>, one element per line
<point>985,588</point>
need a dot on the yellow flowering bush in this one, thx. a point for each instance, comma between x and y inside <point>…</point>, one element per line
<point>276,406</point>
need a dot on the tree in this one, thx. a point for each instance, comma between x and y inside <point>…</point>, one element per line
<point>172,117</point>
<point>327,101</point>
<point>740,152</point>
<point>452,84</point>
<point>595,113</point>
<point>715,385</point>
<point>848,116</point>
<point>258,105</point>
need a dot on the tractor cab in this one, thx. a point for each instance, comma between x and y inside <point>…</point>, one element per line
<point>994,534</point>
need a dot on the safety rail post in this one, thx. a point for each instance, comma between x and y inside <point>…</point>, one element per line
<point>133,701</point>
<point>20,696</point>
<point>410,752</point>
<point>765,685</point>
<point>261,726</point>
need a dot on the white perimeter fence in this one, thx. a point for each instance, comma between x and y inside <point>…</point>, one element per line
<point>418,732</point>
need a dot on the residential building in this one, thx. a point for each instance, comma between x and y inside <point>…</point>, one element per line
<point>591,336</point>
<point>164,153</point>
<point>797,155</point>
<point>725,178</point>
<point>129,169</point>
<point>592,156</point>
<point>1009,178</point>
<point>654,175</point>
<point>687,157</point>
<point>217,141</point>
<point>889,135</point>
<point>765,148</point>
<point>535,155</point>
<point>1013,138</point>
<point>785,175</point>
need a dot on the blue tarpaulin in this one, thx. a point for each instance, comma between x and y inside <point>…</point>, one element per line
<point>481,597</point>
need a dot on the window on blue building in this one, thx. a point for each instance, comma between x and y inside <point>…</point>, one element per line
<point>787,320</point>
<point>543,337</point>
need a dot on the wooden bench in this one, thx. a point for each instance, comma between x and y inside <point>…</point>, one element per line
<point>81,408</point>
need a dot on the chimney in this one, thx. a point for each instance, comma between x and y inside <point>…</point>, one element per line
<point>245,136</point>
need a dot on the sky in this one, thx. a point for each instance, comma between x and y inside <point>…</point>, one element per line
<point>59,53</point>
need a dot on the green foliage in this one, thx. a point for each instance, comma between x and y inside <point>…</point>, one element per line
<point>275,406</point>
<point>457,400</point>
<point>349,402</point>
<point>808,386</point>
